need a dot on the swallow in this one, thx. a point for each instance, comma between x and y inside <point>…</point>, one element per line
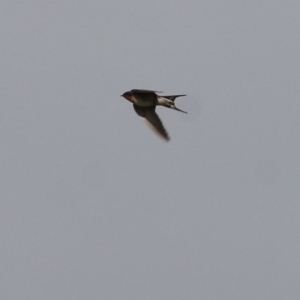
<point>144,104</point>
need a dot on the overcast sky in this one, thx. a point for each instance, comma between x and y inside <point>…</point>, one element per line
<point>94,205</point>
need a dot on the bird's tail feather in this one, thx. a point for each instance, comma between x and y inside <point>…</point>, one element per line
<point>173,97</point>
<point>168,101</point>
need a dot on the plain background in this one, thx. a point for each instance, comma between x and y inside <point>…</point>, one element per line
<point>94,205</point>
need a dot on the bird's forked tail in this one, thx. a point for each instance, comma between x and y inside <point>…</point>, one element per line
<point>168,101</point>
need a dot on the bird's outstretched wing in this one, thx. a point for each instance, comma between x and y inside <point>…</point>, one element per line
<point>144,91</point>
<point>144,97</point>
<point>152,119</point>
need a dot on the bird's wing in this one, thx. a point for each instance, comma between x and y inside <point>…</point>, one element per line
<point>152,120</point>
<point>144,91</point>
<point>144,97</point>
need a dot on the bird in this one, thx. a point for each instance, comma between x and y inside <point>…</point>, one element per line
<point>144,104</point>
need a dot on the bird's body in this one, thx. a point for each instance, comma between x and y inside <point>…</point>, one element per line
<point>144,104</point>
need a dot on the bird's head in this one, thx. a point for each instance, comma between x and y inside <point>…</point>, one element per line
<point>128,96</point>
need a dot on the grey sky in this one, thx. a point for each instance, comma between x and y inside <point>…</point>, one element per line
<point>94,205</point>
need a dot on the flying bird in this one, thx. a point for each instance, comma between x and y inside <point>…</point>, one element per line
<point>144,104</point>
